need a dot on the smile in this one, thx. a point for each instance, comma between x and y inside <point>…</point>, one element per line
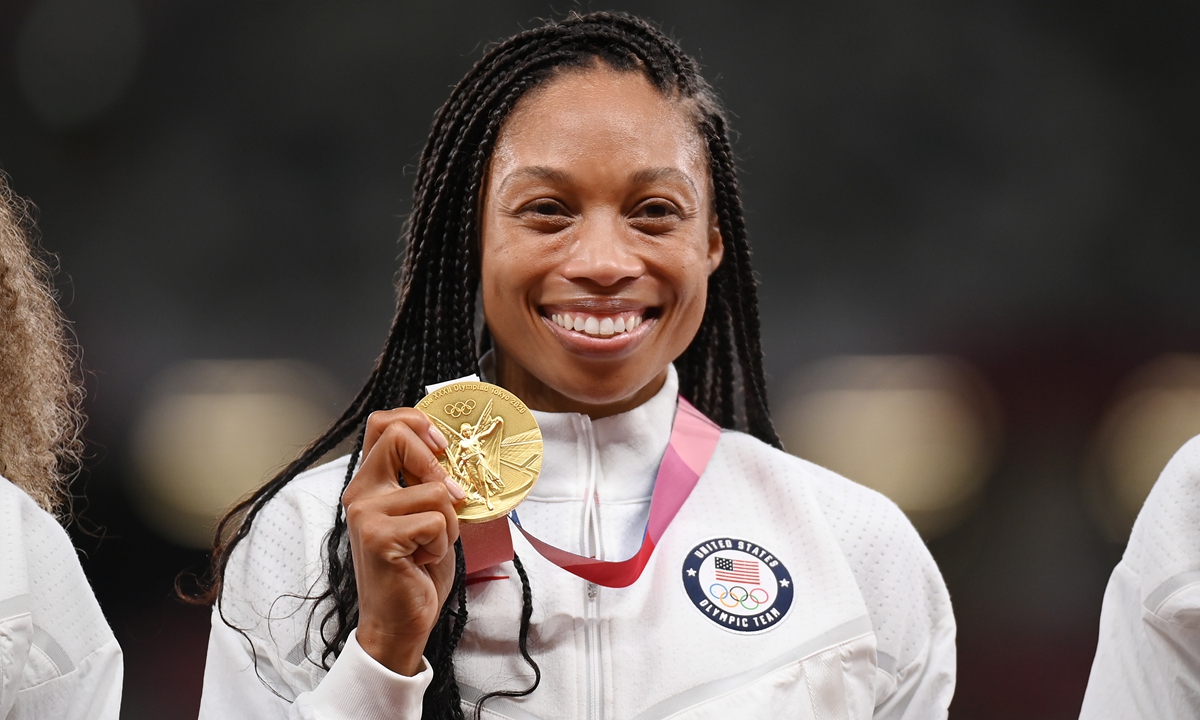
<point>596,326</point>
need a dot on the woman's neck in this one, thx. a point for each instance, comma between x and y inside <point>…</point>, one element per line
<point>537,395</point>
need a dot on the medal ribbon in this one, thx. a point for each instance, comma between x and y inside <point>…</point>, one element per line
<point>693,440</point>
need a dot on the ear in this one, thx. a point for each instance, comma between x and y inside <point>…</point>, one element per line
<point>716,244</point>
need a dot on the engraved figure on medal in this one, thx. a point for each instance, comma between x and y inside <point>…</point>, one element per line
<point>474,455</point>
<point>495,470</point>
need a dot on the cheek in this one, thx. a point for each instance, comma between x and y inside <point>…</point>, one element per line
<point>498,293</point>
<point>508,266</point>
<point>695,303</point>
<point>510,275</point>
<point>692,279</point>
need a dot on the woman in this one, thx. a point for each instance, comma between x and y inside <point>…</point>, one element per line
<point>58,657</point>
<point>580,180</point>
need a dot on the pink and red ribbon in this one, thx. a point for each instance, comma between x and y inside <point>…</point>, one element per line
<point>693,440</point>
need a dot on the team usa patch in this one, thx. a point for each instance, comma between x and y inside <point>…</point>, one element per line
<point>738,585</point>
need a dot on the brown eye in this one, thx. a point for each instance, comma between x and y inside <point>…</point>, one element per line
<point>654,213</point>
<point>657,209</point>
<point>547,207</point>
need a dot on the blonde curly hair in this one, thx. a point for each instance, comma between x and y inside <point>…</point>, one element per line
<point>40,396</point>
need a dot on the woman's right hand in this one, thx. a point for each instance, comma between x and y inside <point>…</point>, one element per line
<point>401,538</point>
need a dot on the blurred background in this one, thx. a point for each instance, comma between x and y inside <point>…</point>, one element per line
<point>975,226</point>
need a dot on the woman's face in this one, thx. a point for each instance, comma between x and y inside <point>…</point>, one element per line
<point>598,240</point>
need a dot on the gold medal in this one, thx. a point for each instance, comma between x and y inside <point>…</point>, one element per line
<point>495,450</point>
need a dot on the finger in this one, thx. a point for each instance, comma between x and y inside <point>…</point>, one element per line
<point>431,533</point>
<point>378,424</point>
<point>423,538</point>
<point>397,450</point>
<point>430,497</point>
<point>379,421</point>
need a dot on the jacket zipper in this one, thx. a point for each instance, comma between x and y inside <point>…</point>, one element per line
<point>592,635</point>
<point>591,621</point>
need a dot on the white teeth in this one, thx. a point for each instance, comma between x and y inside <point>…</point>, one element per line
<point>599,327</point>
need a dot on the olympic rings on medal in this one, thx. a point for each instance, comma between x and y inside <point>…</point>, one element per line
<point>747,596</point>
<point>460,409</point>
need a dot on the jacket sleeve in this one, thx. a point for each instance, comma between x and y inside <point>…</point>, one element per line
<point>924,687</point>
<point>90,690</point>
<point>262,661</point>
<point>906,600</point>
<point>60,659</point>
<point>1147,663</point>
<point>914,625</point>
<point>356,686</point>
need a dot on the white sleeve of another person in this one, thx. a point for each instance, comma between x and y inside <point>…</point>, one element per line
<point>1148,657</point>
<point>58,656</point>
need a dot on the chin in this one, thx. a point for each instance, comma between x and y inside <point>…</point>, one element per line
<point>591,387</point>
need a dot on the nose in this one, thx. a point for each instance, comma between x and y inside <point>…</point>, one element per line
<point>603,256</point>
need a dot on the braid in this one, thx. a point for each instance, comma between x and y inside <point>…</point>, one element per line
<point>522,643</point>
<point>433,338</point>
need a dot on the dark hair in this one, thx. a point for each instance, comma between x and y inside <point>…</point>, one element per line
<point>433,334</point>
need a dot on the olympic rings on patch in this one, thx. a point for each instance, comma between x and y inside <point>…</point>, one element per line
<point>461,408</point>
<point>725,594</point>
<point>748,600</point>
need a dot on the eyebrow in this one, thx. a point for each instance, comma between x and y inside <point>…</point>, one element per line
<point>537,172</point>
<point>653,175</point>
<point>551,175</point>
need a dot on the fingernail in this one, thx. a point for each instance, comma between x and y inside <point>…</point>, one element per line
<point>438,438</point>
<point>455,489</point>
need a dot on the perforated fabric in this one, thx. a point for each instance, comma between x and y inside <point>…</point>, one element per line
<point>1147,661</point>
<point>58,657</point>
<point>869,632</point>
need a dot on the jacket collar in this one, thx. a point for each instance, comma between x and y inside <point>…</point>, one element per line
<point>623,451</point>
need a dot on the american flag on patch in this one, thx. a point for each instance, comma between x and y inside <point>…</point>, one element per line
<point>733,570</point>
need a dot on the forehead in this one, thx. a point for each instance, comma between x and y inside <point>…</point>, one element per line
<point>602,119</point>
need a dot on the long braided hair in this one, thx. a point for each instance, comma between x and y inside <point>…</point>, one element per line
<point>433,335</point>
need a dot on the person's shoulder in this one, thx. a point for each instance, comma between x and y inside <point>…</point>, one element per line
<point>322,484</point>
<point>896,575</point>
<point>14,499</point>
<point>1164,545</point>
<point>28,523</point>
<point>1176,495</point>
<point>40,571</point>
<point>846,505</point>
<point>307,502</point>
<point>282,548</point>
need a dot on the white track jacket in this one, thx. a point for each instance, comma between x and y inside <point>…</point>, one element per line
<point>1147,664</point>
<point>58,657</point>
<point>779,590</point>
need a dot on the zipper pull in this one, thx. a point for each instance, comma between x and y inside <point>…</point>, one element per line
<point>592,590</point>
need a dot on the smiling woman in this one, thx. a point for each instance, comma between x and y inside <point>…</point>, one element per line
<point>579,182</point>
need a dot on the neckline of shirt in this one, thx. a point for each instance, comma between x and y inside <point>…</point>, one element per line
<point>623,450</point>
